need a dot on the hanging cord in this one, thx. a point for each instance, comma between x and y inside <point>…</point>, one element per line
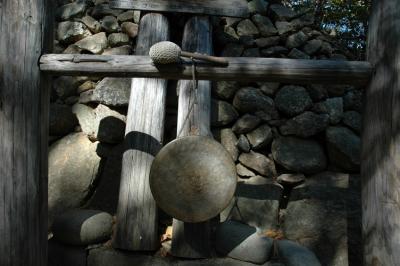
<point>195,100</point>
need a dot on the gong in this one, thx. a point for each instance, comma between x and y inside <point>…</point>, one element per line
<point>193,178</point>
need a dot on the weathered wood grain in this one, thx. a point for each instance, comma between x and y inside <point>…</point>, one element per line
<point>26,30</point>
<point>228,8</point>
<point>239,69</point>
<point>137,211</point>
<point>380,167</point>
<point>193,240</point>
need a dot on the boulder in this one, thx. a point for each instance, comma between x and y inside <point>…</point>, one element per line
<point>247,28</point>
<point>264,25</point>
<point>69,32</point>
<point>112,91</point>
<point>305,125</point>
<point>62,120</point>
<point>252,100</point>
<point>267,42</point>
<point>72,10</point>
<point>292,100</point>
<point>246,123</point>
<point>333,107</point>
<point>343,148</point>
<point>118,39</point>
<point>131,29</point>
<point>260,137</point>
<point>92,24</point>
<point>299,155</point>
<point>242,242</point>
<point>72,174</point>
<point>284,27</point>
<point>312,47</point>
<point>222,113</point>
<point>94,44</point>
<point>258,162</point>
<point>82,227</point>
<point>269,88</point>
<point>109,24</point>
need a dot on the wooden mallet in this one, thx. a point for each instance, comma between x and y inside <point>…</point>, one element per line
<point>169,53</point>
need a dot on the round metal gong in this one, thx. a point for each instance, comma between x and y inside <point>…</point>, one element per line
<point>193,178</point>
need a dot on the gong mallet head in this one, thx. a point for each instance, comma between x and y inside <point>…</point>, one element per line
<point>168,53</point>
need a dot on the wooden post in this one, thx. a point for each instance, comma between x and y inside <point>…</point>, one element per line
<point>380,168</point>
<point>25,30</point>
<point>137,211</point>
<point>194,240</point>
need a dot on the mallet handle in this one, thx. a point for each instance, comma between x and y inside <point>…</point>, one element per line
<point>209,58</point>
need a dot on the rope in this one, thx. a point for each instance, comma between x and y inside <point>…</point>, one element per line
<point>195,91</point>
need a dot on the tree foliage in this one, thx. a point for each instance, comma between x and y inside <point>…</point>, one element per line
<point>348,19</point>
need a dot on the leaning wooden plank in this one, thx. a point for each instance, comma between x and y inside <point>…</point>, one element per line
<point>136,227</point>
<point>228,8</point>
<point>380,157</point>
<point>26,29</point>
<point>194,240</point>
<point>239,69</point>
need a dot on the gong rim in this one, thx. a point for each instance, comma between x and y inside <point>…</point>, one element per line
<point>193,178</point>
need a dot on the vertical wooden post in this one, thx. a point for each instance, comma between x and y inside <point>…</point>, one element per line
<point>137,211</point>
<point>380,167</point>
<point>194,240</point>
<point>25,30</point>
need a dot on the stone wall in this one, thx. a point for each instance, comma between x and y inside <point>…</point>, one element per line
<point>280,135</point>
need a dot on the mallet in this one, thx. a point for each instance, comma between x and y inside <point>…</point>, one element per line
<point>169,53</point>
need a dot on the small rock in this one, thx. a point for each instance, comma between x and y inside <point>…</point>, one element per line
<point>102,10</point>
<point>70,32</point>
<point>343,148</point>
<point>305,125</point>
<point>269,88</point>
<point>251,52</point>
<point>267,42</point>
<point>226,89</point>
<point>92,24</point>
<point>122,50</point>
<point>264,25</point>
<point>353,120</point>
<point>118,39</point>
<point>86,118</point>
<point>258,7</point>
<point>112,91</point>
<point>274,51</point>
<point>252,100</point>
<point>246,124</point>
<point>292,254</point>
<point>296,40</point>
<point>67,86</point>
<point>280,12</point>
<point>243,144</point>
<point>109,24</point>
<point>72,10</point>
<point>86,86</point>
<point>292,100</point>
<point>222,113</point>
<point>333,107</point>
<point>353,100</point>
<point>130,28</point>
<point>82,227</point>
<point>126,16</point>
<point>298,155</point>
<point>229,140</point>
<point>243,171</point>
<point>317,92</point>
<point>232,50</point>
<point>73,169</point>
<point>247,28</point>
<point>62,120</point>
<point>94,44</point>
<point>297,54</point>
<point>284,27</point>
<point>242,242</point>
<point>258,162</point>
<point>260,137</point>
<point>312,47</point>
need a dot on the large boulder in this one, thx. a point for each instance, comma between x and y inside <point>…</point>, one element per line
<point>343,148</point>
<point>299,155</point>
<point>82,227</point>
<point>73,170</point>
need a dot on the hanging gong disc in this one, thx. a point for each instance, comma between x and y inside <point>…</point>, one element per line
<point>193,178</point>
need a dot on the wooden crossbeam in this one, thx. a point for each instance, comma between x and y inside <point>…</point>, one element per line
<point>295,71</point>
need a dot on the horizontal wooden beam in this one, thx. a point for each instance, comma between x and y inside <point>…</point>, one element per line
<point>239,69</point>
